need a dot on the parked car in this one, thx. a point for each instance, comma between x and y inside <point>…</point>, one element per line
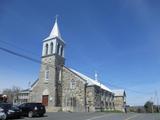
<point>2,114</point>
<point>32,109</point>
<point>11,111</point>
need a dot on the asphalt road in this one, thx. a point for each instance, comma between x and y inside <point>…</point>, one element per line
<point>96,116</point>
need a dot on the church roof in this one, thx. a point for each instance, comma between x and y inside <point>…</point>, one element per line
<point>55,32</point>
<point>119,92</point>
<point>91,81</point>
<point>34,84</point>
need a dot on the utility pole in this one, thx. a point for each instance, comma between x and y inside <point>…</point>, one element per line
<point>152,101</point>
<point>157,101</point>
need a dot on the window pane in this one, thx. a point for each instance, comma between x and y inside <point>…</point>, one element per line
<point>47,75</point>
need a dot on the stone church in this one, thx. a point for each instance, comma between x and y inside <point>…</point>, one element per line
<point>61,88</point>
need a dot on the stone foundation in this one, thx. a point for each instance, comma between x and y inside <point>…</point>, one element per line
<point>53,109</point>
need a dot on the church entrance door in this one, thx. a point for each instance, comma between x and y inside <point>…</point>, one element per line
<point>45,100</point>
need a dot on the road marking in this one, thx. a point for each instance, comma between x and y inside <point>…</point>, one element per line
<point>132,117</point>
<point>101,116</point>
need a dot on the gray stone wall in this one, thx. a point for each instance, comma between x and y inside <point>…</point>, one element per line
<point>46,87</point>
<point>119,103</point>
<point>90,98</point>
<point>68,91</point>
<point>99,99</point>
<point>73,92</point>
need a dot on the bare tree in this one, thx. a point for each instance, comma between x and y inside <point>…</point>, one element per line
<point>12,93</point>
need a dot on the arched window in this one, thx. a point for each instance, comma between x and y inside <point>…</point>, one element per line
<point>58,46</point>
<point>60,76</point>
<point>46,49</point>
<point>47,73</point>
<point>61,50</point>
<point>51,48</point>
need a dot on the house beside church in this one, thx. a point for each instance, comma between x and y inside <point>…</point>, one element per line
<point>22,97</point>
<point>61,88</point>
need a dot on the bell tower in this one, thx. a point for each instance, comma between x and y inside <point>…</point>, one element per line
<point>51,68</point>
<point>53,45</point>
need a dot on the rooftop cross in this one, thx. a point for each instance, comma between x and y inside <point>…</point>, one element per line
<point>56,17</point>
<point>96,76</point>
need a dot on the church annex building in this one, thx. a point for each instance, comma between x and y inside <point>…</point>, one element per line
<point>61,88</point>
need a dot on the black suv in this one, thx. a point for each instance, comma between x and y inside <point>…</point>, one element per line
<point>10,110</point>
<point>32,109</point>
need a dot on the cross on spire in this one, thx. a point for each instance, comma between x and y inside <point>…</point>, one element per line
<point>56,17</point>
<point>96,76</point>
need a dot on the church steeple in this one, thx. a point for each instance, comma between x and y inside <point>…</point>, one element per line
<point>55,31</point>
<point>53,44</point>
<point>51,74</point>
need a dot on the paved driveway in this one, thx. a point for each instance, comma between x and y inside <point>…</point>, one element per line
<point>96,116</point>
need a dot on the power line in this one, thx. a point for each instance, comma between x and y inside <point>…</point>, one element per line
<point>135,91</point>
<point>15,46</point>
<point>20,55</point>
<point>25,57</point>
<point>40,62</point>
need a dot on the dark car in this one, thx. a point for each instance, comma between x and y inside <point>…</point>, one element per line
<point>2,114</point>
<point>32,109</point>
<point>10,110</point>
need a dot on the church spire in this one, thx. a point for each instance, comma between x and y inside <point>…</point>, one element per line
<point>55,31</point>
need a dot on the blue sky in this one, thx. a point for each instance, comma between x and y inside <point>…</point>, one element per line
<point>117,38</point>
